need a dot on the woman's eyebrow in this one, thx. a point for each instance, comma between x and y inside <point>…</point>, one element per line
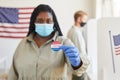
<point>39,20</point>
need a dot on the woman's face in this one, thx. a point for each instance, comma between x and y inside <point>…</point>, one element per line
<point>44,25</point>
<point>44,17</point>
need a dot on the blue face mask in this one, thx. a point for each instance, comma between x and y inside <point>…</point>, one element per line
<point>44,30</point>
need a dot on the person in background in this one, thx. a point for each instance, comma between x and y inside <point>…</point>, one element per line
<point>75,34</point>
<point>36,59</point>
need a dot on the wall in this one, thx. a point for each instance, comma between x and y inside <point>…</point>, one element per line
<point>64,9</point>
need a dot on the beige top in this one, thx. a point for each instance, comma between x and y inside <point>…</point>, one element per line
<point>33,63</point>
<point>75,34</point>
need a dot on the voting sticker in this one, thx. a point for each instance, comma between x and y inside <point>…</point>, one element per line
<point>55,46</point>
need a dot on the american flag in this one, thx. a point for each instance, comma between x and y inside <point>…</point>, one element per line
<point>116,40</point>
<point>14,22</point>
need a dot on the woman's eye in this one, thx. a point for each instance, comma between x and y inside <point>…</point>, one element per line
<point>39,21</point>
<point>49,21</point>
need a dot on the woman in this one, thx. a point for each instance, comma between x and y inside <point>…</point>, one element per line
<point>35,60</point>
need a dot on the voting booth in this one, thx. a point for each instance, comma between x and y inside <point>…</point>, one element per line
<point>108,35</point>
<point>104,48</point>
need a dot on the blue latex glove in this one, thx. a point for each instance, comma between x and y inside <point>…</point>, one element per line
<point>73,55</point>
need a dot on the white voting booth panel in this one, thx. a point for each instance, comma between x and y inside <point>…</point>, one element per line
<point>92,48</point>
<point>105,64</point>
<point>108,62</point>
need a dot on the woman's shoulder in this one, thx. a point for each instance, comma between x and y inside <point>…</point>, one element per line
<point>27,39</point>
<point>23,41</point>
<point>21,47</point>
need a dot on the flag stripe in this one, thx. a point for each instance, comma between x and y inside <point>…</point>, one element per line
<point>27,8</point>
<point>23,23</point>
<point>117,47</point>
<point>12,32</point>
<point>24,20</point>
<point>14,37</point>
<point>118,54</point>
<point>24,17</point>
<point>118,51</point>
<point>13,27</point>
<point>24,13</point>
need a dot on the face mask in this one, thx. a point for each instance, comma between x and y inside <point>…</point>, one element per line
<point>44,30</point>
<point>82,24</point>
